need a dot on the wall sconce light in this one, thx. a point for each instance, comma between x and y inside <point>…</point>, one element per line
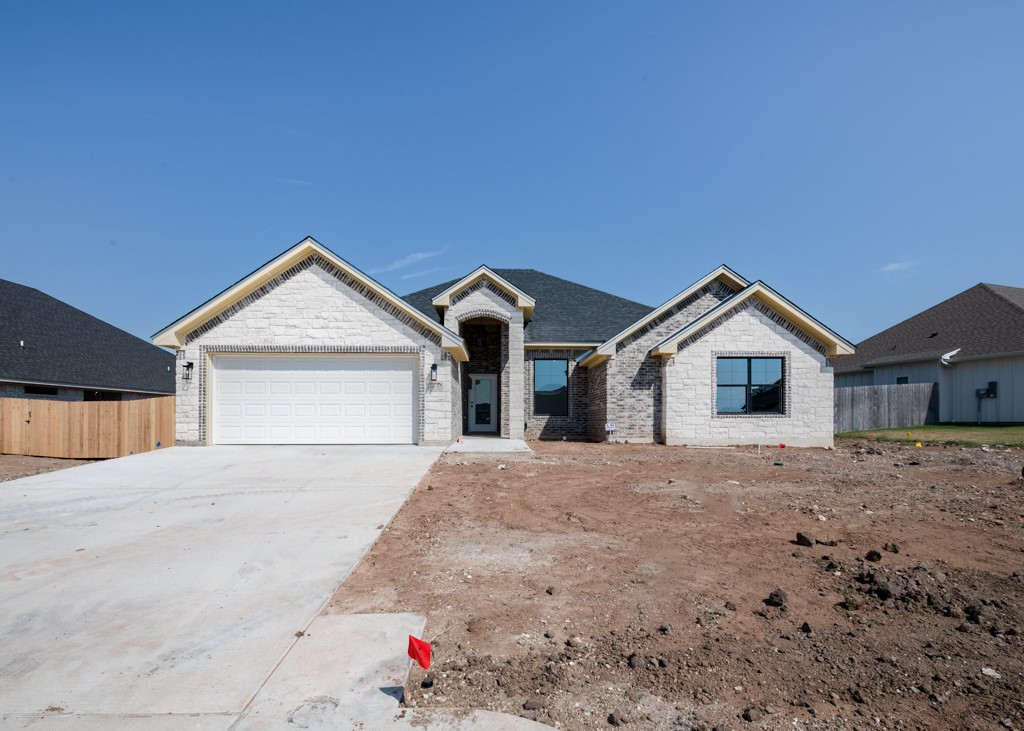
<point>186,371</point>
<point>433,372</point>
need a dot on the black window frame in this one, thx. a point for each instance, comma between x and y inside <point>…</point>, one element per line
<point>41,390</point>
<point>749,386</point>
<point>547,396</point>
<point>902,380</point>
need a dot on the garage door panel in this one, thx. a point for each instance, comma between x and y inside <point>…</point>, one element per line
<point>231,387</point>
<point>313,400</point>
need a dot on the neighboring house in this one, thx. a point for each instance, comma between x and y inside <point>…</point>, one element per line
<point>50,350</point>
<point>308,349</point>
<point>972,345</point>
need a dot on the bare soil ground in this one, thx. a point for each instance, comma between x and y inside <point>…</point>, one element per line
<point>13,466</point>
<point>591,585</point>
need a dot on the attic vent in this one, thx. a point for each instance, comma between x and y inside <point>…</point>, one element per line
<point>933,335</point>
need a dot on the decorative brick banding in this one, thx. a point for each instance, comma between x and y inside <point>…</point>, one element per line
<point>483,284</point>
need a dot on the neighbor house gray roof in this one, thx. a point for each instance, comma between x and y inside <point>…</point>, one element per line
<point>65,346</point>
<point>987,319</point>
<point>565,311</point>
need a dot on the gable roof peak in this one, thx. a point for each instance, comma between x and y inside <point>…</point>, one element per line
<point>522,300</point>
<point>173,336</point>
<point>734,280</point>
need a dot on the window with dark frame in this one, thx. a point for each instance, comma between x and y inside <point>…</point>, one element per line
<point>902,380</point>
<point>749,385</point>
<point>551,387</point>
<point>40,390</point>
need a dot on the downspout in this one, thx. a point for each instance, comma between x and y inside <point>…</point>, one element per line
<point>944,360</point>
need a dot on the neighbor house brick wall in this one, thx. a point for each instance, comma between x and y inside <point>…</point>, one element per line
<point>17,390</point>
<point>634,397</point>
<point>689,384</point>
<point>311,309</point>
<point>574,424</point>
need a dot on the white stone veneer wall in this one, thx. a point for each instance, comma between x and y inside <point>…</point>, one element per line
<point>314,309</point>
<point>689,379</point>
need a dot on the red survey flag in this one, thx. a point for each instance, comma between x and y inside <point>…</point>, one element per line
<point>419,651</point>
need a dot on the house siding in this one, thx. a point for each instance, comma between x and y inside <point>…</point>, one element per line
<point>957,386</point>
<point>575,425</point>
<point>310,309</point>
<point>634,389</point>
<point>690,385</point>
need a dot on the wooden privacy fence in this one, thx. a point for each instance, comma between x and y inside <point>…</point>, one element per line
<point>85,429</point>
<point>858,408</point>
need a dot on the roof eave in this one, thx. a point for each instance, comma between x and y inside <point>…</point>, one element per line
<point>834,344</point>
<point>173,336</point>
<point>593,358</point>
<point>61,384</point>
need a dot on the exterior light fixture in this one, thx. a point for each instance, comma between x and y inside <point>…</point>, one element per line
<point>433,372</point>
<point>186,371</point>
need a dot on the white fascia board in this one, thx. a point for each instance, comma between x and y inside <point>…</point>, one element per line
<point>835,344</point>
<point>172,336</point>
<point>591,359</point>
<point>608,347</point>
<point>523,300</point>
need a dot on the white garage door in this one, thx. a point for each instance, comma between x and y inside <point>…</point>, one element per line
<point>314,399</point>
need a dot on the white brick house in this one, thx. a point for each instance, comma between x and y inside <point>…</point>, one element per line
<point>308,349</point>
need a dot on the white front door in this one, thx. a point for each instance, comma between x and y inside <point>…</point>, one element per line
<point>483,412</point>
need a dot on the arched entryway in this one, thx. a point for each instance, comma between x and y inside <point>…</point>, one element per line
<point>485,376</point>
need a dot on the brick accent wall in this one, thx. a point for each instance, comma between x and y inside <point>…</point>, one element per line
<point>487,343</point>
<point>634,390</point>
<point>597,388</point>
<point>690,384</point>
<point>17,390</point>
<point>575,424</point>
<point>312,309</point>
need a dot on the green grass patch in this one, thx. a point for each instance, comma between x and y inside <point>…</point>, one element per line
<point>964,436</point>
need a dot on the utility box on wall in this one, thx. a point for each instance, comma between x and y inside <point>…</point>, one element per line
<point>990,392</point>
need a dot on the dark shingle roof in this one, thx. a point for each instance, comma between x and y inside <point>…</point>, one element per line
<point>64,345</point>
<point>984,320</point>
<point>565,311</point>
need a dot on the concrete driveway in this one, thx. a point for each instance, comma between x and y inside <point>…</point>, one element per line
<point>174,582</point>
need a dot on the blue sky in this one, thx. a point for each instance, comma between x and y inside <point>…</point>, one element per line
<point>864,159</point>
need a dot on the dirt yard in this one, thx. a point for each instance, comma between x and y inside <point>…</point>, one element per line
<point>591,586</point>
<point>13,466</point>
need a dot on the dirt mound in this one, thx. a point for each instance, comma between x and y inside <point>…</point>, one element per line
<point>597,586</point>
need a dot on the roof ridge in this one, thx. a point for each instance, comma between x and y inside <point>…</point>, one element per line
<point>989,288</point>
